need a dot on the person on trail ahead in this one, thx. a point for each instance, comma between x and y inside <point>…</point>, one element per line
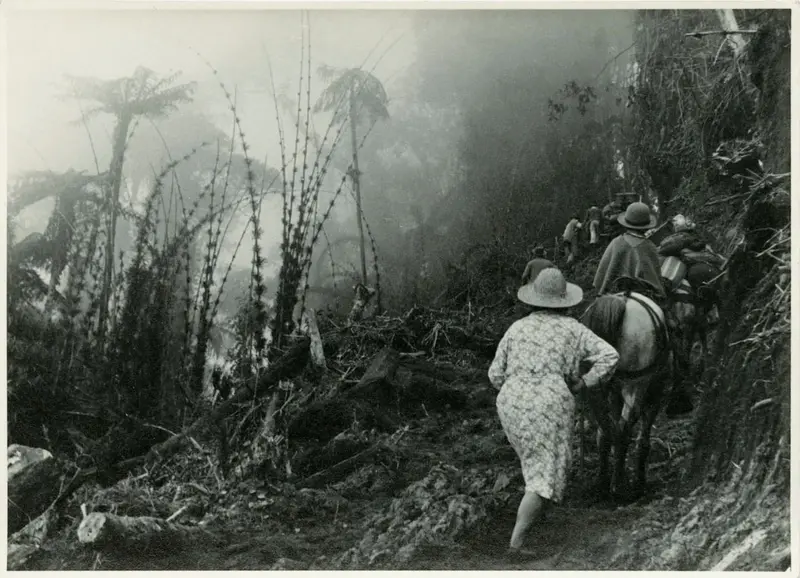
<point>632,255</point>
<point>571,238</point>
<point>536,359</point>
<point>593,217</point>
<point>611,210</point>
<point>533,268</point>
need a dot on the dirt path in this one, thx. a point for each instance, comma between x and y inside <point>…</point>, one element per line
<point>312,529</point>
<point>303,529</point>
<point>570,538</point>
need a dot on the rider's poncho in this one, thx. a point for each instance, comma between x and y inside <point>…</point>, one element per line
<point>629,255</point>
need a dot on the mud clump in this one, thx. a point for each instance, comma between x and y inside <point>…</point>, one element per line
<point>436,509</point>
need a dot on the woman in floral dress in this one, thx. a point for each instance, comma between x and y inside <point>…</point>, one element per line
<point>536,359</point>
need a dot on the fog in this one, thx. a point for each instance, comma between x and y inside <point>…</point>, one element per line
<point>44,46</point>
<point>466,137</point>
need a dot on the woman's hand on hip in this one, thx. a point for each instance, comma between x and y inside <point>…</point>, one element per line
<point>577,386</point>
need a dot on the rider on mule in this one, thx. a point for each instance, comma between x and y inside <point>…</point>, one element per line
<point>632,255</point>
<point>631,262</point>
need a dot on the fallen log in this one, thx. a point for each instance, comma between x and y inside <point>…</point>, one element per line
<point>411,389</point>
<point>323,420</point>
<point>107,532</point>
<point>18,554</point>
<point>287,365</point>
<point>336,450</point>
<point>22,545</point>
<point>284,367</point>
<point>378,377</point>
<point>337,471</point>
<point>485,346</point>
<point>443,371</point>
<point>388,388</point>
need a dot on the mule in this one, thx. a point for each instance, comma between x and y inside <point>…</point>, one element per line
<point>692,326</point>
<point>636,327</point>
<point>692,302</point>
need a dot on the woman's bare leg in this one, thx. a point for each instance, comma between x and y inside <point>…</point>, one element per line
<point>529,509</point>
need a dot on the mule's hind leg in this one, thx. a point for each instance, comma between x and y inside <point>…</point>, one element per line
<point>600,405</point>
<point>634,393</point>
<point>652,404</point>
<point>626,407</point>
<point>620,458</point>
<point>603,487</point>
<point>703,334</point>
<point>680,401</point>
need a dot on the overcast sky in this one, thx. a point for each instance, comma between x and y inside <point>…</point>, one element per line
<point>43,46</point>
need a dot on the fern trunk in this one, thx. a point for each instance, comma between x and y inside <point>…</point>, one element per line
<point>357,185</point>
<point>115,183</point>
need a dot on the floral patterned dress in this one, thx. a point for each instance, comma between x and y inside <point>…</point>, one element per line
<point>534,360</point>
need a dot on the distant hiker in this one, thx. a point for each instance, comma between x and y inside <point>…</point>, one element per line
<point>536,359</point>
<point>593,217</point>
<point>631,255</point>
<point>610,213</point>
<point>571,238</point>
<point>533,268</point>
<point>612,210</point>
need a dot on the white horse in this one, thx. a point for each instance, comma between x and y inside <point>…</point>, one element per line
<point>635,326</point>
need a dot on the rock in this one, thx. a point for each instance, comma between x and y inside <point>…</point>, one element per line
<point>287,564</point>
<point>20,457</point>
<point>406,553</point>
<point>501,483</point>
<point>18,555</point>
<point>34,481</point>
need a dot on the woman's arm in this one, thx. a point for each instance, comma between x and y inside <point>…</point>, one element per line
<point>497,371</point>
<point>600,354</point>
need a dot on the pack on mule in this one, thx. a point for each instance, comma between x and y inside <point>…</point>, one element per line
<point>695,310</point>
<point>690,270</point>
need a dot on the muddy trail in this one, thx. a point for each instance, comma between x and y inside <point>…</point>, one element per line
<point>431,485</point>
<point>312,529</point>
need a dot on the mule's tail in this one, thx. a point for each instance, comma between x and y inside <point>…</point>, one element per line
<point>604,318</point>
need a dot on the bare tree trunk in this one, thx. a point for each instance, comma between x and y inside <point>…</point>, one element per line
<point>115,183</point>
<point>727,20</point>
<point>357,184</point>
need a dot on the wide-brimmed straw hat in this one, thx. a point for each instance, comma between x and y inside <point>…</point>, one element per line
<point>550,290</point>
<point>637,216</point>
